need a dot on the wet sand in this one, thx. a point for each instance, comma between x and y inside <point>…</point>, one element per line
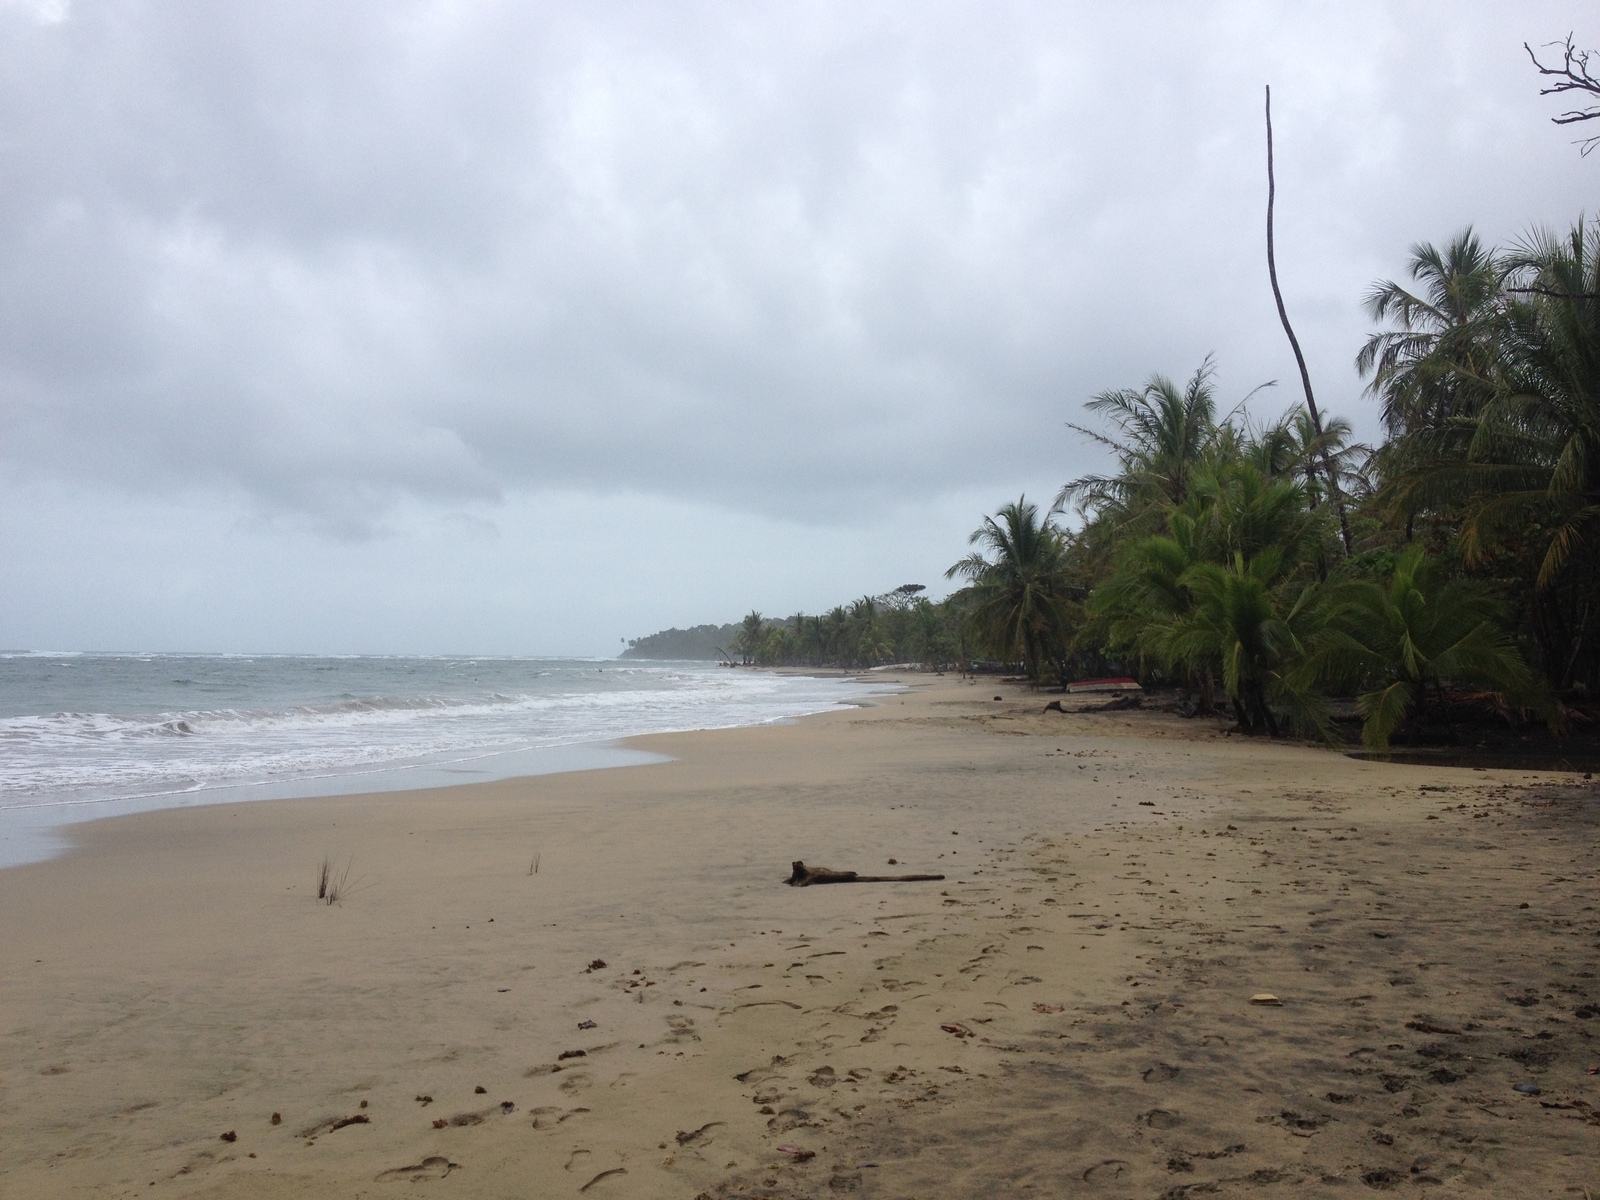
<point>1068,1014</point>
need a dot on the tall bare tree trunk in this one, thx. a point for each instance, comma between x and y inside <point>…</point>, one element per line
<point>1334,492</point>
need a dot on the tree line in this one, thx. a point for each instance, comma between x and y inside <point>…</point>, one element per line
<point>1212,558</point>
<point>900,626</point>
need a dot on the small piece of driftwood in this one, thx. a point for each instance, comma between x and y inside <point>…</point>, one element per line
<point>804,876</point>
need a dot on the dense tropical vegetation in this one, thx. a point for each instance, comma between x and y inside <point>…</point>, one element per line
<point>898,627</point>
<point>696,642</point>
<point>1210,557</point>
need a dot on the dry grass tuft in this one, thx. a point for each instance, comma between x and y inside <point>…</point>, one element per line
<point>333,881</point>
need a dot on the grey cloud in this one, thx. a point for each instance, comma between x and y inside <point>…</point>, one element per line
<point>783,258</point>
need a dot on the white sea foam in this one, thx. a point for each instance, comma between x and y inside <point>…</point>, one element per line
<point>93,728</point>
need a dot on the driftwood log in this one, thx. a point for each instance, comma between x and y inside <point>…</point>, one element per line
<point>804,876</point>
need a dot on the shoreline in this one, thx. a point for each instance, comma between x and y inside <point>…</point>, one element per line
<point>37,831</point>
<point>1117,890</point>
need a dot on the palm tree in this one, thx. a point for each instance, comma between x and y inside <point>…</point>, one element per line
<point>928,631</point>
<point>1429,370</point>
<point>748,640</point>
<point>1536,449</point>
<point>1135,608</point>
<point>1238,625</point>
<point>777,646</point>
<point>1019,586</point>
<point>1146,593</point>
<point>866,642</point>
<point>1518,468</point>
<point>1236,509</point>
<point>1292,447</point>
<point>1213,597</point>
<point>1163,431</point>
<point>812,638</point>
<point>1433,370</point>
<point>1396,639</point>
<point>835,629</point>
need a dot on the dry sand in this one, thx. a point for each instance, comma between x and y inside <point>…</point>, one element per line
<point>1067,1015</point>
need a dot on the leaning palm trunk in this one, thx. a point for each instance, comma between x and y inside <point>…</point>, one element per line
<point>1334,492</point>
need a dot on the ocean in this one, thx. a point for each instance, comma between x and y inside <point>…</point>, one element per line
<point>89,735</point>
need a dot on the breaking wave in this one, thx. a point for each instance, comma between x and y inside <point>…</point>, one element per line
<point>77,728</point>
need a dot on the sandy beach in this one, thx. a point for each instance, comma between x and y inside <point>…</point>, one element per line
<point>651,1013</point>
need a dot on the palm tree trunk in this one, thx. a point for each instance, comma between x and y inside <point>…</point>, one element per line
<point>1420,691</point>
<point>1444,709</point>
<point>1550,633</point>
<point>1334,492</point>
<point>1259,697</point>
<point>1568,675</point>
<point>1242,715</point>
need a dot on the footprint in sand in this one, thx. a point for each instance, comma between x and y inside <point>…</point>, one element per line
<point>790,1118</point>
<point>681,1029</point>
<point>1160,1073</point>
<point>696,1137</point>
<point>1106,1170</point>
<point>762,1074</point>
<point>435,1166</point>
<point>1160,1118</point>
<point>549,1116</point>
<point>612,1173</point>
<point>579,1158</point>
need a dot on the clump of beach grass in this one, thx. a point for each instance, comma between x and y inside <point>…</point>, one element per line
<point>333,881</point>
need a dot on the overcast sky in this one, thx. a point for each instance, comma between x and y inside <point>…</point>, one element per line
<point>403,326</point>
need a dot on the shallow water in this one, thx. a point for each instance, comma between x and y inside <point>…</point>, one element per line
<point>89,735</point>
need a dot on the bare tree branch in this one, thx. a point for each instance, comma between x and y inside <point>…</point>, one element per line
<point>1573,75</point>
